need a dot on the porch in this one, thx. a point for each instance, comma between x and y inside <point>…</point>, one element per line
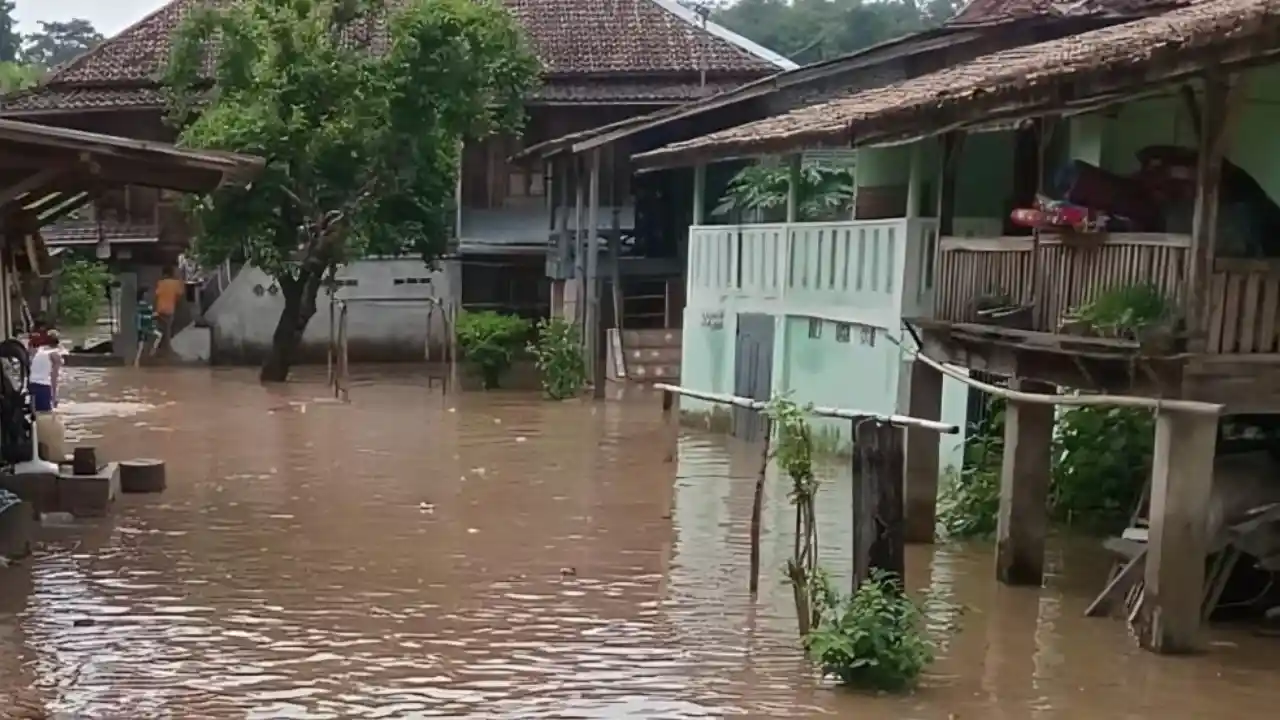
<point>866,272</point>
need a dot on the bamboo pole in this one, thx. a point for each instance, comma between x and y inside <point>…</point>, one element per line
<point>1188,406</point>
<point>895,420</point>
<point>757,505</point>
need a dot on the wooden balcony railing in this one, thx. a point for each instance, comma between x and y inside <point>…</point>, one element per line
<point>1069,276</point>
<point>1244,301</point>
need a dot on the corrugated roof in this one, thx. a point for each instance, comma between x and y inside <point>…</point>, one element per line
<point>574,39</point>
<point>968,93</point>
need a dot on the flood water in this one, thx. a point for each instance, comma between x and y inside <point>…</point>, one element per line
<point>495,556</point>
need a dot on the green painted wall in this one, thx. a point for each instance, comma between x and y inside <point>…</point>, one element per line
<point>706,356</point>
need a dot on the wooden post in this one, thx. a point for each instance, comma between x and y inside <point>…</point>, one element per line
<point>878,521</point>
<point>1023,521</point>
<point>793,188</point>
<point>591,328</point>
<point>757,504</point>
<point>668,401</point>
<point>952,144</point>
<point>579,255</point>
<point>1221,98</point>
<point>915,175</point>
<point>921,505</point>
<point>699,194</point>
<point>1178,544</point>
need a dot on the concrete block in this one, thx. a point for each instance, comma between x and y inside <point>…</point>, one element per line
<point>89,495</point>
<point>17,527</point>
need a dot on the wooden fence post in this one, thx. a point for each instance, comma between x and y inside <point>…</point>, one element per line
<point>878,489</point>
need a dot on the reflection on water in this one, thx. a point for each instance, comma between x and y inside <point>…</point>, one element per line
<point>494,556</point>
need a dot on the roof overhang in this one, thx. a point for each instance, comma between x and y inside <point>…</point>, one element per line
<point>870,57</point>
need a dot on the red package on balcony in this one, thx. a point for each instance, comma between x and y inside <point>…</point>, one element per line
<point>1029,217</point>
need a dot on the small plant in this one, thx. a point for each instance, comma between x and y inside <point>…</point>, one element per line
<point>873,639</point>
<point>557,351</point>
<point>970,499</point>
<point>1101,460</point>
<point>489,342</point>
<point>81,291</point>
<point>794,455</point>
<point>1126,312</point>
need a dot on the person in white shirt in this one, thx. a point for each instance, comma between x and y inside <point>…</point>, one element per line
<point>46,363</point>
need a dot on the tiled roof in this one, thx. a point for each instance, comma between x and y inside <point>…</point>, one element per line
<point>986,12</point>
<point>967,93</point>
<point>574,38</point>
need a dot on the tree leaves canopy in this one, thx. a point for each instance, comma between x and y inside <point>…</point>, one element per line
<point>362,140</point>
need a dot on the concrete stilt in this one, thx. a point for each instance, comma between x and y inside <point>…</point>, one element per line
<point>1181,483</point>
<point>1024,489</point>
<point>921,501</point>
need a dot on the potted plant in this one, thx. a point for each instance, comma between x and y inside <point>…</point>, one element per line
<point>489,342</point>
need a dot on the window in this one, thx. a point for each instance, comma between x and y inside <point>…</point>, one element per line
<point>815,328</point>
<point>843,331</point>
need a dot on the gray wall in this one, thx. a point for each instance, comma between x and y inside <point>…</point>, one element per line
<point>244,318</point>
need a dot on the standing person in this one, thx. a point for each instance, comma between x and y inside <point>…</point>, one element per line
<point>168,292</point>
<point>144,319</point>
<point>46,365</point>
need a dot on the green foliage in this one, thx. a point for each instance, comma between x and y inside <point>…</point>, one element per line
<point>1101,458</point>
<point>10,38</point>
<point>362,143</point>
<point>557,351</point>
<point>16,76</point>
<point>489,341</point>
<point>793,451</point>
<point>873,639</point>
<point>811,30</point>
<point>825,193</point>
<point>81,291</point>
<point>1126,311</point>
<point>58,42</point>
<point>970,499</point>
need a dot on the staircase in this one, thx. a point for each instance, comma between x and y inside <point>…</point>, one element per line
<point>650,356</point>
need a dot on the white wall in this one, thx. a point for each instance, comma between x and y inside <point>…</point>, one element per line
<point>244,317</point>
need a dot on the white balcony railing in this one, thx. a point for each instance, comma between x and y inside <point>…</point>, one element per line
<point>865,271</point>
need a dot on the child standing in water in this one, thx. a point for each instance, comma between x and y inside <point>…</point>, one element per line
<point>145,322</point>
<point>46,364</point>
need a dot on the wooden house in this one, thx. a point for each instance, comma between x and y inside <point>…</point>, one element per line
<point>603,62</point>
<point>1165,124</point>
<point>647,265</point>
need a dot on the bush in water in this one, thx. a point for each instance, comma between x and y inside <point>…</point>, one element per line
<point>557,351</point>
<point>489,342</point>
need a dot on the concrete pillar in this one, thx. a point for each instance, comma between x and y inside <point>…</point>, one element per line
<point>1023,521</point>
<point>1177,542</point>
<point>924,401</point>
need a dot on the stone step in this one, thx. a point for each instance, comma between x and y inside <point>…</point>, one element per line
<point>661,338</point>
<point>653,355</point>
<point>653,372</point>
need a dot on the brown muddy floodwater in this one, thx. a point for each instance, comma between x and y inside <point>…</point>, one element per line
<point>401,557</point>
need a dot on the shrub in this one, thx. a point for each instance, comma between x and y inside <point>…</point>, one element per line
<point>873,639</point>
<point>81,291</point>
<point>489,342</point>
<point>970,499</point>
<point>557,351</point>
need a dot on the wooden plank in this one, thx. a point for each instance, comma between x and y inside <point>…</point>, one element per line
<point>1252,300</point>
<point>1119,585</point>
<point>1217,312</point>
<point>879,502</point>
<point>1231,316</point>
<point>1270,304</point>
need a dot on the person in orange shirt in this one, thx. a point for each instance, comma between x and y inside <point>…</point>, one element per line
<point>168,292</point>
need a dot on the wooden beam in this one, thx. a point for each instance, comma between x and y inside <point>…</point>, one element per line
<point>921,493</point>
<point>592,326</point>
<point>29,184</point>
<point>1178,544</point>
<point>877,505</point>
<point>1023,521</point>
<point>793,188</point>
<point>1221,99</point>
<point>699,194</point>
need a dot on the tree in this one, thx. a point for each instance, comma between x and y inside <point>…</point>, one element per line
<point>59,42</point>
<point>362,143</point>
<point>15,76</point>
<point>10,39</point>
<point>812,30</point>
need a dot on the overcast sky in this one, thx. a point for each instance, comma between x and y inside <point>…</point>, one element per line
<point>109,16</point>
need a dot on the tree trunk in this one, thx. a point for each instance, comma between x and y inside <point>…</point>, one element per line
<point>299,308</point>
